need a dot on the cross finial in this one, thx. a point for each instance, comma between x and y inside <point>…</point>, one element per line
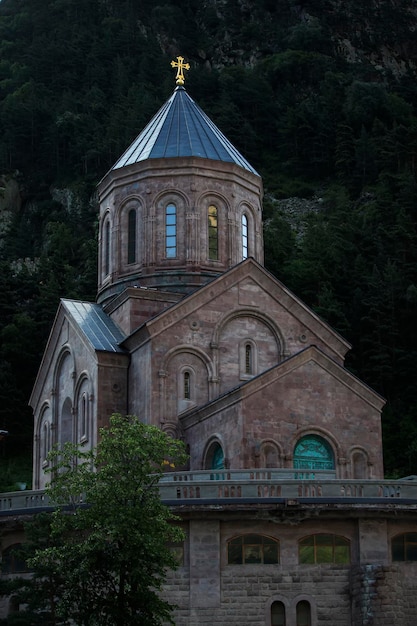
<point>181,66</point>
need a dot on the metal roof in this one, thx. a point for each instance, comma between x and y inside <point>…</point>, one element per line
<point>182,129</point>
<point>99,328</point>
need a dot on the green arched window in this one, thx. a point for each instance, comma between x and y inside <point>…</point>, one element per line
<point>323,548</point>
<point>313,452</point>
<point>217,459</point>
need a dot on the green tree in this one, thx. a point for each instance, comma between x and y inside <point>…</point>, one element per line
<point>109,557</point>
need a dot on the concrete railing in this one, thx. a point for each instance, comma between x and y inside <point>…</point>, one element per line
<point>235,485</point>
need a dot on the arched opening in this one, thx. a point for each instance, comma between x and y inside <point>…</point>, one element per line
<point>83,417</point>
<point>131,236</point>
<point>270,455</point>
<point>359,465</point>
<point>277,614</point>
<point>187,385</point>
<point>215,457</point>
<point>303,613</point>
<point>66,422</point>
<point>248,359</point>
<point>213,233</point>
<point>171,231</point>
<point>106,248</point>
<point>245,248</point>
<point>314,453</point>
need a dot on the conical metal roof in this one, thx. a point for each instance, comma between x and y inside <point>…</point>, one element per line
<point>182,129</point>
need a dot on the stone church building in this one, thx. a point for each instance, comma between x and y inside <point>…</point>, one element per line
<point>288,519</point>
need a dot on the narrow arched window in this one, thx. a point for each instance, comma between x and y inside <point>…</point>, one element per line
<point>248,359</point>
<point>277,614</point>
<point>107,248</point>
<point>244,237</point>
<point>83,417</point>
<point>171,231</point>
<point>45,443</point>
<point>303,612</point>
<point>187,386</point>
<point>131,236</point>
<point>213,233</point>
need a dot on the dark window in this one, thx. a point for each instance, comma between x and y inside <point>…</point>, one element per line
<point>404,547</point>
<point>277,614</point>
<point>131,237</point>
<point>12,560</point>
<point>107,248</point>
<point>171,231</point>
<point>253,549</point>
<point>303,612</point>
<point>83,417</point>
<point>248,359</point>
<point>323,548</point>
<point>213,235</point>
<point>187,386</point>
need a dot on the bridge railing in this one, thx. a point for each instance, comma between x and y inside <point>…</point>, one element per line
<point>262,484</point>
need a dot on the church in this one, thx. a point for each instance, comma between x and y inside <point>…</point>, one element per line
<point>288,518</point>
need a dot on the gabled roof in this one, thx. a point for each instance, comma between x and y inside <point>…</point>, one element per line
<point>99,328</point>
<point>182,129</point>
<point>310,355</point>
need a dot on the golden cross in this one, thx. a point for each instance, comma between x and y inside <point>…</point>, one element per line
<point>179,63</point>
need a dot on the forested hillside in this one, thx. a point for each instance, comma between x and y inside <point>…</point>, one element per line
<point>319,95</point>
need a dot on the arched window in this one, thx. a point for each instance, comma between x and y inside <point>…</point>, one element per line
<point>107,248</point>
<point>213,233</point>
<point>12,560</point>
<point>131,236</point>
<point>248,359</point>
<point>244,237</point>
<point>83,417</point>
<point>217,460</point>
<point>215,457</point>
<point>278,614</point>
<point>404,547</point>
<point>359,465</point>
<point>323,548</point>
<point>187,385</point>
<point>270,455</point>
<point>247,549</point>
<point>45,440</point>
<point>303,613</point>
<point>313,452</point>
<point>171,231</point>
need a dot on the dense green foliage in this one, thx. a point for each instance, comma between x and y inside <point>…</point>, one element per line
<point>319,95</point>
<point>103,564</point>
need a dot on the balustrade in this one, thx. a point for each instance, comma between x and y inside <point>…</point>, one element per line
<point>262,484</point>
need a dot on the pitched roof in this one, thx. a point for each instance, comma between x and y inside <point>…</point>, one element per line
<point>99,328</point>
<point>182,129</point>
